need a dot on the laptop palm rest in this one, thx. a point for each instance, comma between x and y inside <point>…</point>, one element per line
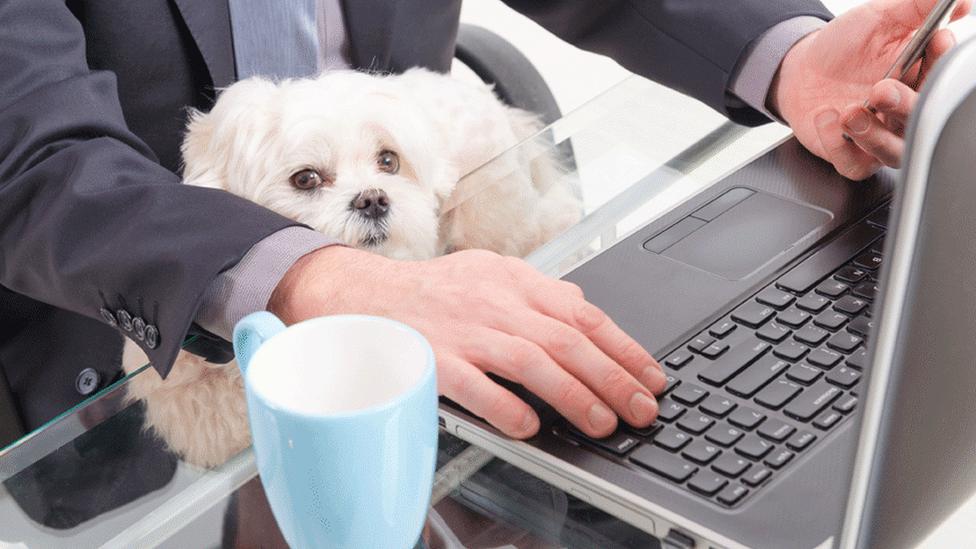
<point>736,234</point>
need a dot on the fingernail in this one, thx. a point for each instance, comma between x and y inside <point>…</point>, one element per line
<point>642,407</point>
<point>858,121</point>
<point>825,119</point>
<point>601,418</point>
<point>530,423</point>
<point>653,378</point>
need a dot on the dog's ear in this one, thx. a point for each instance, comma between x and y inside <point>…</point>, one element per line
<point>235,126</point>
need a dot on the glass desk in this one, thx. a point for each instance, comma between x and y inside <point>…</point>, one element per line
<point>93,477</point>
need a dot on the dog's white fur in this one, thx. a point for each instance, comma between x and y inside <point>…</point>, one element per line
<point>259,133</point>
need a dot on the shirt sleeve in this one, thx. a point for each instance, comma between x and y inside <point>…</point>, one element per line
<point>247,286</point>
<point>754,74</point>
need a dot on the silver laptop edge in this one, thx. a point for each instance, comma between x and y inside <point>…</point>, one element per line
<point>937,105</point>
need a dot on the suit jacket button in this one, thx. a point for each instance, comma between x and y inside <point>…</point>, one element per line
<point>139,328</point>
<point>87,381</point>
<point>152,336</point>
<point>125,319</point>
<point>108,317</point>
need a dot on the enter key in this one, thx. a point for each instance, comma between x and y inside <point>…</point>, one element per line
<point>813,400</point>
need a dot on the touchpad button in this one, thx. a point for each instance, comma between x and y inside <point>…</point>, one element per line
<point>748,235</point>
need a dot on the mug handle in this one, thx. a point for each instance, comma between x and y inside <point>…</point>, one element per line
<point>251,332</point>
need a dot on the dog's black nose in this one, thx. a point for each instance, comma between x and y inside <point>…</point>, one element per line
<point>372,203</point>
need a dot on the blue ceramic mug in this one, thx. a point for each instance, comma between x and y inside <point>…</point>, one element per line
<point>343,414</point>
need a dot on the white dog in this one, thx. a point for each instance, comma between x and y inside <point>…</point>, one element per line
<point>374,161</point>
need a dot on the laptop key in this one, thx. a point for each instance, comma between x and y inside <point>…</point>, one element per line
<point>813,302</point>
<point>776,430</point>
<point>689,393</point>
<point>851,305</point>
<point>846,405</point>
<point>700,343</point>
<point>831,320</point>
<point>717,405</point>
<point>778,393</point>
<point>746,417</point>
<point>733,362</point>
<point>803,373</point>
<point>669,410</point>
<point>801,440</point>
<point>679,359</point>
<point>779,458</point>
<point>844,376</point>
<point>756,376</point>
<point>861,326</point>
<point>618,443</point>
<point>827,419</point>
<point>832,288</point>
<point>661,462</point>
<point>824,358</point>
<point>672,439</point>
<point>646,432</point>
<point>695,424</point>
<point>732,494</point>
<point>753,314</point>
<point>701,452</point>
<point>791,350</point>
<point>866,289</point>
<point>722,328</point>
<point>870,260</point>
<point>775,298</point>
<point>724,434</point>
<point>811,335</point>
<point>813,401</point>
<point>850,274</point>
<point>756,476</point>
<point>753,447</point>
<point>859,359</point>
<point>793,317</point>
<point>845,342</point>
<point>731,465</point>
<point>715,350</point>
<point>774,332</point>
<point>707,484</point>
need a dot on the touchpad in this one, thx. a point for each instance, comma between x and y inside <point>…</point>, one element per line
<point>737,233</point>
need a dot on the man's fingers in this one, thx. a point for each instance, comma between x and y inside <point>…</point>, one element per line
<point>848,159</point>
<point>570,309</point>
<point>872,136</point>
<point>470,387</point>
<point>579,356</point>
<point>525,362</point>
<point>894,100</point>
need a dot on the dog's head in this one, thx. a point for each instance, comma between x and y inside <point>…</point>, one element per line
<point>346,153</point>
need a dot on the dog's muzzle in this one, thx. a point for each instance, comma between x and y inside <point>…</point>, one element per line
<point>371,204</point>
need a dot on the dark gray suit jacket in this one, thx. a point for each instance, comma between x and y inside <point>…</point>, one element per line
<point>98,238</point>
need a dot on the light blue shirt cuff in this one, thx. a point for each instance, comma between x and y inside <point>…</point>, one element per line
<point>755,72</point>
<point>247,286</point>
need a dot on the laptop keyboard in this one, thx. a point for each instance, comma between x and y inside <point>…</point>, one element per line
<point>765,383</point>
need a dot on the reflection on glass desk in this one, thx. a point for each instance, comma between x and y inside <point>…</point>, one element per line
<point>95,477</point>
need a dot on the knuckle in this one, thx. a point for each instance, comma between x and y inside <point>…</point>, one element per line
<point>524,355</point>
<point>632,353</point>
<point>458,387</point>
<point>570,391</point>
<point>588,317</point>
<point>573,289</point>
<point>564,340</point>
<point>615,377</point>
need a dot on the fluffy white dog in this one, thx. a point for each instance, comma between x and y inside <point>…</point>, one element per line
<point>374,161</point>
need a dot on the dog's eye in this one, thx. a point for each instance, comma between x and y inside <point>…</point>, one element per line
<point>388,162</point>
<point>306,180</point>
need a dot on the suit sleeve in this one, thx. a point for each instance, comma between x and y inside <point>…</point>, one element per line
<point>692,46</point>
<point>89,221</point>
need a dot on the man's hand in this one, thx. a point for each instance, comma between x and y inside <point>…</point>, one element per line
<point>825,78</point>
<point>482,313</point>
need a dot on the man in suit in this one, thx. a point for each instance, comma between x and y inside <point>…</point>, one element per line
<point>99,240</point>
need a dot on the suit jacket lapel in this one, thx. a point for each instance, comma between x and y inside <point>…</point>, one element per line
<point>209,24</point>
<point>369,26</point>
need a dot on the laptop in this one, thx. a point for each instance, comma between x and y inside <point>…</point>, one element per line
<point>820,342</point>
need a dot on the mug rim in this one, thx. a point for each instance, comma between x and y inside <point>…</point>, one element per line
<point>430,368</point>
